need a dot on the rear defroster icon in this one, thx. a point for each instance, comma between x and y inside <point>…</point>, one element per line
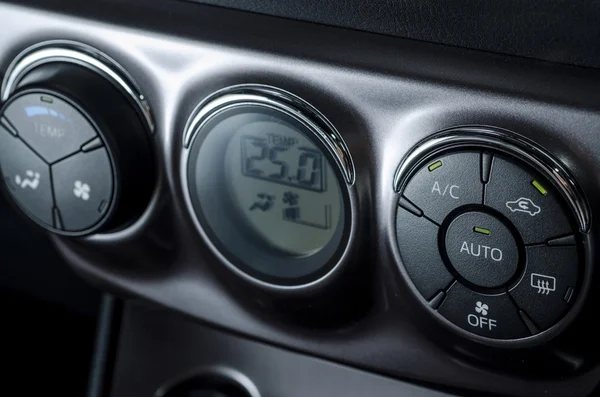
<point>542,283</point>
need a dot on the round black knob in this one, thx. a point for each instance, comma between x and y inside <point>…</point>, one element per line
<point>75,152</point>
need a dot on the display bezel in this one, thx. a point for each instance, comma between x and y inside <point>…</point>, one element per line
<point>315,267</point>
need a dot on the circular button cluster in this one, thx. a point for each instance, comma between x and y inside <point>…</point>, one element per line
<point>74,149</point>
<point>488,241</point>
<point>54,163</point>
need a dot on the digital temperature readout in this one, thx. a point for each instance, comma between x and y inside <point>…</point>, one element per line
<point>280,159</point>
<point>283,185</point>
<point>266,187</point>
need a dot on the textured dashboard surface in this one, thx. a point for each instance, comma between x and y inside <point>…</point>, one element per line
<point>553,30</point>
<point>158,346</point>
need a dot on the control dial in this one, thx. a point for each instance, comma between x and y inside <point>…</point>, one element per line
<point>489,233</point>
<point>74,150</point>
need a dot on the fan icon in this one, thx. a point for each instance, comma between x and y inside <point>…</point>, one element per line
<point>482,308</point>
<point>290,198</point>
<point>82,190</point>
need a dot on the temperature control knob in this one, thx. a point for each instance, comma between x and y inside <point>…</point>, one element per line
<point>75,152</point>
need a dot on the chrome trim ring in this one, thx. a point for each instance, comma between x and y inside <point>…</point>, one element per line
<point>82,55</point>
<point>323,130</point>
<point>507,142</point>
<point>280,100</point>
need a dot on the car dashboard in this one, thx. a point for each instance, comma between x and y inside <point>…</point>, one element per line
<point>278,207</point>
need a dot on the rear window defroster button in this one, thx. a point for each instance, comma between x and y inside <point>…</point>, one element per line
<point>549,284</point>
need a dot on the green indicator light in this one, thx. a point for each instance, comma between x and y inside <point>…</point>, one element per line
<point>46,99</point>
<point>539,187</point>
<point>481,230</point>
<point>435,166</point>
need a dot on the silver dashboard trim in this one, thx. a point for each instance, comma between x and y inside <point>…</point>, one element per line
<point>80,54</point>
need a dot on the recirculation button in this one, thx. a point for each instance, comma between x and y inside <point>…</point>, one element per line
<point>527,200</point>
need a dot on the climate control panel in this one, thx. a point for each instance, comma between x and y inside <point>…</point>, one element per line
<point>74,140</point>
<point>301,217</point>
<point>51,158</point>
<point>489,240</point>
